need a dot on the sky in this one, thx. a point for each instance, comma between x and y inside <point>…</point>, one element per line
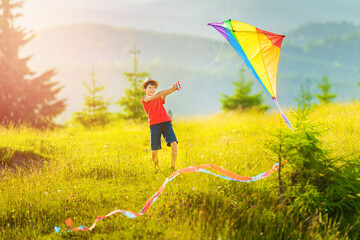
<point>186,16</point>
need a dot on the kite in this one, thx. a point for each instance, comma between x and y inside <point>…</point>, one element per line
<point>227,175</point>
<point>260,51</point>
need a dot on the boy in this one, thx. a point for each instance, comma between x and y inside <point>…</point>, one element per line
<point>159,120</point>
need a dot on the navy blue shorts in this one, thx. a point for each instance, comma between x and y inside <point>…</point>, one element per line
<point>164,128</point>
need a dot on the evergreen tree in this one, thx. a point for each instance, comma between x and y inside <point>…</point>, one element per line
<point>24,97</point>
<point>313,178</point>
<point>326,96</point>
<point>131,103</point>
<point>95,111</point>
<point>305,94</point>
<point>242,99</point>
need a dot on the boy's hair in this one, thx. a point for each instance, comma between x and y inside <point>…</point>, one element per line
<point>152,83</point>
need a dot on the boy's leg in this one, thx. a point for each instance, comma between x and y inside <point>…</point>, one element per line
<point>155,135</point>
<point>173,146</point>
<point>154,157</point>
<point>171,141</point>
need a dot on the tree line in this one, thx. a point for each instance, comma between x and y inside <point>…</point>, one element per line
<point>243,100</point>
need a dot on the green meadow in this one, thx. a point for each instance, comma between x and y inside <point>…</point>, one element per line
<point>50,175</point>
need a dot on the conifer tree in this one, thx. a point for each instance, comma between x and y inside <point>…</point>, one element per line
<point>24,97</point>
<point>315,178</point>
<point>305,94</point>
<point>326,96</point>
<point>242,99</point>
<point>131,102</point>
<point>95,111</point>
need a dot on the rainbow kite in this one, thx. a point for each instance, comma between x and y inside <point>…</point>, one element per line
<point>260,51</point>
<point>227,175</point>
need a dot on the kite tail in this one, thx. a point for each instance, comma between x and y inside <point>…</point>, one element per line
<point>288,123</point>
<point>202,168</point>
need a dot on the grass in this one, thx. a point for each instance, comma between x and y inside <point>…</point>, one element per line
<point>89,173</point>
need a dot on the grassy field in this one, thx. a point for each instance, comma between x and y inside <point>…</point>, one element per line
<point>82,174</point>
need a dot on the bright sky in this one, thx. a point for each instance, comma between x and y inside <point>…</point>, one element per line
<point>186,16</point>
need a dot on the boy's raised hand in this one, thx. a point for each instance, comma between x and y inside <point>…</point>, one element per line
<point>174,86</point>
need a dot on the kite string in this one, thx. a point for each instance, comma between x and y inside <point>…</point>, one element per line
<point>207,65</point>
<point>218,58</point>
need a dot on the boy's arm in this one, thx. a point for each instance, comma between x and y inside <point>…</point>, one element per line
<point>161,94</point>
<point>163,97</point>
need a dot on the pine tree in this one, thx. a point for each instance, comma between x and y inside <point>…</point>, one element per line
<point>305,94</point>
<point>242,99</point>
<point>131,103</point>
<point>313,178</point>
<point>326,96</point>
<point>24,97</point>
<point>95,111</point>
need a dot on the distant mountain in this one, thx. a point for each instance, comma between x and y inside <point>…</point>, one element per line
<point>319,32</point>
<point>188,16</point>
<point>206,67</point>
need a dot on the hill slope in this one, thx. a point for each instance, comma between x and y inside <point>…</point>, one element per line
<point>168,57</point>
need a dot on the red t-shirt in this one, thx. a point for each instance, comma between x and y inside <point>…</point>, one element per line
<point>156,111</point>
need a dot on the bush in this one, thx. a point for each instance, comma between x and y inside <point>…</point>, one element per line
<point>315,181</point>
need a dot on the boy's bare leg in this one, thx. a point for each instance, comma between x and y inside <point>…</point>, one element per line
<point>173,154</point>
<point>154,157</point>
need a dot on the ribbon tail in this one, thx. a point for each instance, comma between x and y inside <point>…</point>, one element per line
<point>286,120</point>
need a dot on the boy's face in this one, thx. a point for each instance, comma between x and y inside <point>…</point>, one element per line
<point>150,89</point>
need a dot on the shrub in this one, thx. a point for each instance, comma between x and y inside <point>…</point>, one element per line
<point>313,180</point>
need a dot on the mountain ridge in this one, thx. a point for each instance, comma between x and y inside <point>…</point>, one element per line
<point>72,49</point>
